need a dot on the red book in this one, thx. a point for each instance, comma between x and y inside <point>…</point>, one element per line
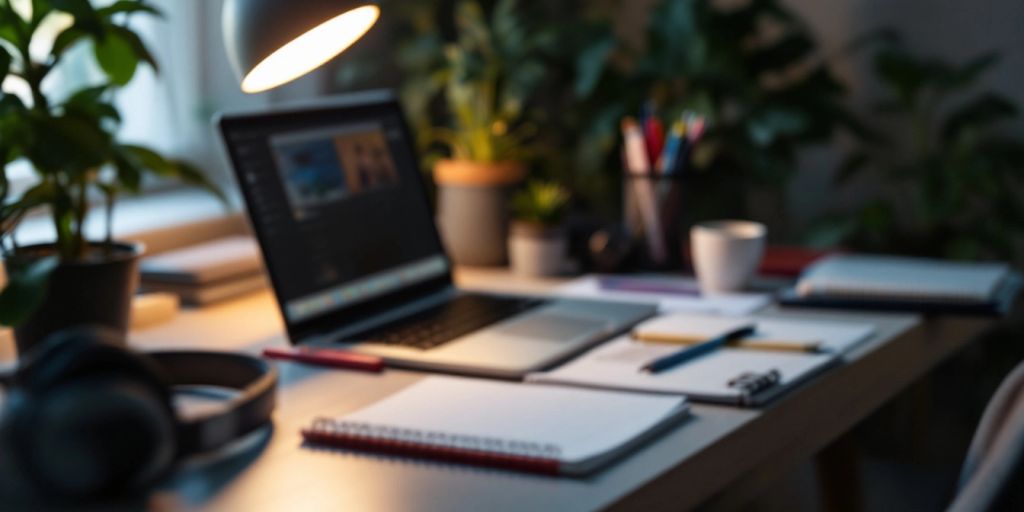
<point>790,261</point>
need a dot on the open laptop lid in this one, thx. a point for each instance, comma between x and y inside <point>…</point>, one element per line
<point>337,200</point>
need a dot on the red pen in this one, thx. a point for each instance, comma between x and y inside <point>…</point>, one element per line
<point>326,357</point>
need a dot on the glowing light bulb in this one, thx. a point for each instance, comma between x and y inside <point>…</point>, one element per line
<point>311,50</point>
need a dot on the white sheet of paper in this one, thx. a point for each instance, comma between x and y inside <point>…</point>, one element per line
<point>583,423</point>
<point>589,287</point>
<point>835,337</point>
<point>616,365</point>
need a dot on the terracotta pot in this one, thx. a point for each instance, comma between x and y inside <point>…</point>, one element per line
<point>537,250</point>
<point>472,208</point>
<point>96,291</point>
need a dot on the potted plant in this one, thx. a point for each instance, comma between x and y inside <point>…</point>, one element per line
<point>951,179</point>
<point>486,78</point>
<point>70,142</point>
<point>537,242</point>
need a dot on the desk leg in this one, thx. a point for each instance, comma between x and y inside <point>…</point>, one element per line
<point>839,478</point>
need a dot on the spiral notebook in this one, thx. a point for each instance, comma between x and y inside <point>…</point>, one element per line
<point>535,428</point>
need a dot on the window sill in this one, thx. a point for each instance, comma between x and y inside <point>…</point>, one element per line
<point>162,221</point>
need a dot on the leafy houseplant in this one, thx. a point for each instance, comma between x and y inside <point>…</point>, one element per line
<point>485,78</point>
<point>537,242</point>
<point>952,187</point>
<point>70,141</point>
<point>752,69</point>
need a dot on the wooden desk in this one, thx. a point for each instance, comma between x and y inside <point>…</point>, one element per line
<point>720,458</point>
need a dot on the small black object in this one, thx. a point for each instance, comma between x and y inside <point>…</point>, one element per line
<point>609,248</point>
<point>753,383</point>
<point>87,418</point>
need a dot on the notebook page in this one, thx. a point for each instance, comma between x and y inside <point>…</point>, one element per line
<point>902,277</point>
<point>615,365</point>
<point>589,287</point>
<point>837,337</point>
<point>582,423</point>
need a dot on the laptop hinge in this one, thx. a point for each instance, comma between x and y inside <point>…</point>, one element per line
<point>398,312</point>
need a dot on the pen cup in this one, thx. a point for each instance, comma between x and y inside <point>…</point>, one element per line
<point>652,211</point>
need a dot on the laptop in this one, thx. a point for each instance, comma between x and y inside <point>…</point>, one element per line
<point>339,204</point>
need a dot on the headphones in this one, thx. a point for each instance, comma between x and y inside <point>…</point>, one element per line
<point>87,418</point>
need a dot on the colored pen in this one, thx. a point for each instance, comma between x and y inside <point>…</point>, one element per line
<point>326,357</point>
<point>772,345</point>
<point>677,358</point>
<point>639,166</point>
<point>654,132</point>
<point>667,162</point>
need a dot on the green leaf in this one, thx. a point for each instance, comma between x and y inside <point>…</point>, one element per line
<point>139,47</point>
<point>590,64</point>
<point>5,62</point>
<point>116,57</point>
<point>852,165</point>
<point>978,113</point>
<point>67,38</point>
<point>27,284</point>
<point>789,51</point>
<point>86,18</point>
<point>129,7</point>
<point>970,72</point>
<point>175,169</point>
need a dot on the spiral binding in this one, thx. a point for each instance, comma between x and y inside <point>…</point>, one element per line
<point>433,439</point>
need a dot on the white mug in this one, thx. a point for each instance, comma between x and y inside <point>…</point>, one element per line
<point>726,253</point>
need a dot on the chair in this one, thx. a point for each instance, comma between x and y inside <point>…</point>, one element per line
<point>993,472</point>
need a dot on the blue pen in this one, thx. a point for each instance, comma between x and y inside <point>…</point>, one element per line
<point>677,358</point>
<point>676,138</point>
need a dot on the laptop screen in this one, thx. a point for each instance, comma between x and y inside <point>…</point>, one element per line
<point>336,198</point>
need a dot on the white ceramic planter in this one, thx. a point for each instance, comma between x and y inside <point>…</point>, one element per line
<point>535,250</point>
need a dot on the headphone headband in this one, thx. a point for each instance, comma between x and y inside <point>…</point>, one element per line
<point>254,378</point>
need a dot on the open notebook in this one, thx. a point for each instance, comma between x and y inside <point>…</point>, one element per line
<point>719,377</point>
<point>827,336</point>
<point>546,429</point>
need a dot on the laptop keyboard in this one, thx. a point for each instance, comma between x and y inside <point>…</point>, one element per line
<point>438,325</point>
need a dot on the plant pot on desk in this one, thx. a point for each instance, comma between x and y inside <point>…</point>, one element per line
<point>537,250</point>
<point>95,290</point>
<point>472,208</point>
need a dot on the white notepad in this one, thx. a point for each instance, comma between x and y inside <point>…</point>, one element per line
<point>886,277</point>
<point>577,430</point>
<point>831,336</point>
<point>589,287</point>
<point>616,365</point>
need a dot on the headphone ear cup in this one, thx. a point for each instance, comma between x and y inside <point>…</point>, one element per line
<point>99,437</point>
<point>90,417</point>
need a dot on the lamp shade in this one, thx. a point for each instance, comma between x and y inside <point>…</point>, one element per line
<point>272,42</point>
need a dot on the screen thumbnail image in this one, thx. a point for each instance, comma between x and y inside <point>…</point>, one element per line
<point>311,172</point>
<point>366,160</point>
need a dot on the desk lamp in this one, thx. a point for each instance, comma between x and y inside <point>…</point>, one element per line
<point>272,42</point>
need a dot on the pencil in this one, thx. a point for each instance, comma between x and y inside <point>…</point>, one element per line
<point>755,344</point>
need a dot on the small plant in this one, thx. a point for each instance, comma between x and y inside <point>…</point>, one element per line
<point>952,180</point>
<point>70,140</point>
<point>540,202</point>
<point>486,77</point>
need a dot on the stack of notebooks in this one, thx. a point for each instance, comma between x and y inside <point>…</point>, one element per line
<point>906,284</point>
<point>577,418</point>
<point>208,272</point>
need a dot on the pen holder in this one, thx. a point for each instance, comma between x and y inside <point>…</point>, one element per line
<point>652,210</point>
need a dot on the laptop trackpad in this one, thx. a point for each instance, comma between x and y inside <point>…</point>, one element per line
<point>545,326</point>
